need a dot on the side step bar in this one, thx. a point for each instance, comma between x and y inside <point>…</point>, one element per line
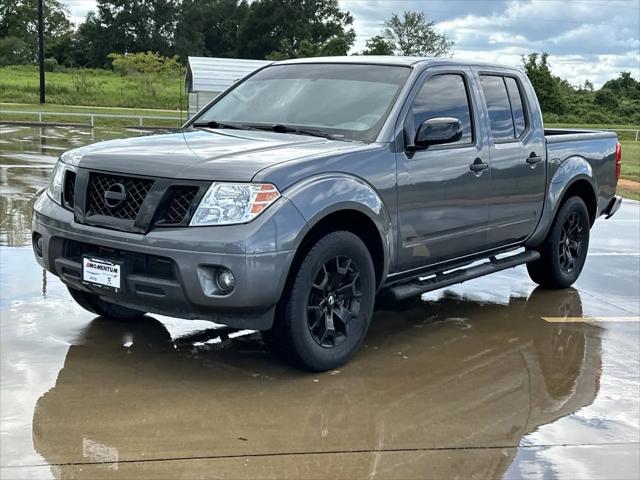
<point>440,280</point>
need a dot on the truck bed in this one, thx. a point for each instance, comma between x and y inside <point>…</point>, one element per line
<point>597,147</point>
<point>557,135</point>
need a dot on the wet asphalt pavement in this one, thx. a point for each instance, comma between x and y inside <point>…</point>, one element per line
<point>490,379</point>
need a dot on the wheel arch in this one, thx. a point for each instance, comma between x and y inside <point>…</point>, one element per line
<point>584,189</point>
<point>574,176</point>
<point>348,220</point>
<point>340,202</point>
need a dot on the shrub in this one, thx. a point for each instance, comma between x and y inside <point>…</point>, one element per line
<point>50,64</point>
<point>596,117</point>
<point>151,69</point>
<point>606,98</point>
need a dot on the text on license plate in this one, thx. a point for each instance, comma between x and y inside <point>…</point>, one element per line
<point>101,272</point>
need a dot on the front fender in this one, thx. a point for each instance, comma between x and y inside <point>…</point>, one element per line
<point>321,195</point>
<point>563,174</point>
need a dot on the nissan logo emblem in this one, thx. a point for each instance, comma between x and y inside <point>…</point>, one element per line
<point>115,195</point>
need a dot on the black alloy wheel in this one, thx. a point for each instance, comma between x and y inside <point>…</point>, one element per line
<point>564,252</point>
<point>570,244</point>
<point>326,308</point>
<point>334,300</point>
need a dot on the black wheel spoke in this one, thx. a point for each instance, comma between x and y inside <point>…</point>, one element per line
<point>333,301</point>
<point>350,289</point>
<point>344,269</point>
<point>570,244</point>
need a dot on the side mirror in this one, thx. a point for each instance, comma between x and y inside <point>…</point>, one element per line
<point>437,131</point>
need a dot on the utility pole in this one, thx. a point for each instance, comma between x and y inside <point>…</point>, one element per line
<point>41,49</point>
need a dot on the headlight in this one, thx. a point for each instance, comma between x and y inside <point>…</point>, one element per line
<point>229,203</point>
<point>54,190</point>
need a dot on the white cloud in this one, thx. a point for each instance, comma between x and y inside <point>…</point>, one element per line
<point>587,39</point>
<point>79,9</point>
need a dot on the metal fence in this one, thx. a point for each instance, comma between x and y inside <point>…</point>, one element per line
<point>179,121</point>
<point>92,116</point>
<point>637,132</point>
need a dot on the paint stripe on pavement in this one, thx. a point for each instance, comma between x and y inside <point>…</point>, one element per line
<point>589,319</point>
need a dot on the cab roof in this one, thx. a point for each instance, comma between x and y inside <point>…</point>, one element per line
<point>392,60</point>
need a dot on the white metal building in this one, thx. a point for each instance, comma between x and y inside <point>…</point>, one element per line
<point>208,76</point>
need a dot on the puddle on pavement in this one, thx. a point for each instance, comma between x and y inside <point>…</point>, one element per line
<point>27,155</point>
<point>469,382</point>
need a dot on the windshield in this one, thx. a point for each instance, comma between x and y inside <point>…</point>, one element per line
<point>348,101</point>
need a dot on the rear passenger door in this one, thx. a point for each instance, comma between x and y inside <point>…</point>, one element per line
<point>517,150</point>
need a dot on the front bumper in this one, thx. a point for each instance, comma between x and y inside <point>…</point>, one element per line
<point>169,270</point>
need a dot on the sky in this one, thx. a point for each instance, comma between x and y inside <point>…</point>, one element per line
<point>586,39</point>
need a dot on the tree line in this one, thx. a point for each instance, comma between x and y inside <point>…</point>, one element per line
<point>258,29</point>
<point>162,33</point>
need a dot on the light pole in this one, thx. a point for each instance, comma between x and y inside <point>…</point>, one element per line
<point>41,49</point>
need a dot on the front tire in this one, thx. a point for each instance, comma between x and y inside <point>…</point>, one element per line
<point>564,251</point>
<point>94,304</point>
<point>325,313</point>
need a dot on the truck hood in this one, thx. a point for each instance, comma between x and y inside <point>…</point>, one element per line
<point>226,155</point>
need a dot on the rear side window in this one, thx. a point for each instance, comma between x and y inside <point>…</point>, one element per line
<point>495,94</point>
<point>444,96</point>
<point>517,106</point>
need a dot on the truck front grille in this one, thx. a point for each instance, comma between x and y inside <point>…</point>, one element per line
<point>179,205</point>
<point>135,191</point>
<point>131,203</point>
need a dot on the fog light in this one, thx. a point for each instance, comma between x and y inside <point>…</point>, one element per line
<point>38,244</point>
<point>226,280</point>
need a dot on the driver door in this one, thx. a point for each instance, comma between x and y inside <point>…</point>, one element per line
<point>443,202</point>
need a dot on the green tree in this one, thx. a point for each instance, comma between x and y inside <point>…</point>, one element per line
<point>378,45</point>
<point>13,51</point>
<point>209,28</point>
<point>606,98</point>
<point>127,26</point>
<point>412,34</point>
<point>306,49</point>
<point>18,20</point>
<point>625,85</point>
<point>285,28</point>
<point>547,86</point>
<point>93,42</point>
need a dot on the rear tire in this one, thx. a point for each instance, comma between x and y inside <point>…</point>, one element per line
<point>564,251</point>
<point>325,313</point>
<point>94,304</point>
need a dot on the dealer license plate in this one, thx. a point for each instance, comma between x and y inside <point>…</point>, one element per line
<point>102,272</point>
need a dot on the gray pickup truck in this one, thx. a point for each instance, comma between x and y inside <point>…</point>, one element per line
<point>311,186</point>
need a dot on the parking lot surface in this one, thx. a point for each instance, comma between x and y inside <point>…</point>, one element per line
<point>490,379</point>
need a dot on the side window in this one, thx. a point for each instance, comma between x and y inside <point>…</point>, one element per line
<point>444,96</point>
<point>495,94</point>
<point>517,105</point>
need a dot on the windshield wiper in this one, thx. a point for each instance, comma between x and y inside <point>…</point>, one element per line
<point>216,124</point>
<point>314,132</point>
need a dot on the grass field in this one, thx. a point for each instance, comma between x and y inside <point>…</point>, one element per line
<point>631,161</point>
<point>91,87</point>
<point>630,169</point>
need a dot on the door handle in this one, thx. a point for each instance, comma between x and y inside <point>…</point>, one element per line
<point>478,166</point>
<point>533,159</point>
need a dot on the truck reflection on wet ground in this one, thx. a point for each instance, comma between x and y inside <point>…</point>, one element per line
<point>484,378</point>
